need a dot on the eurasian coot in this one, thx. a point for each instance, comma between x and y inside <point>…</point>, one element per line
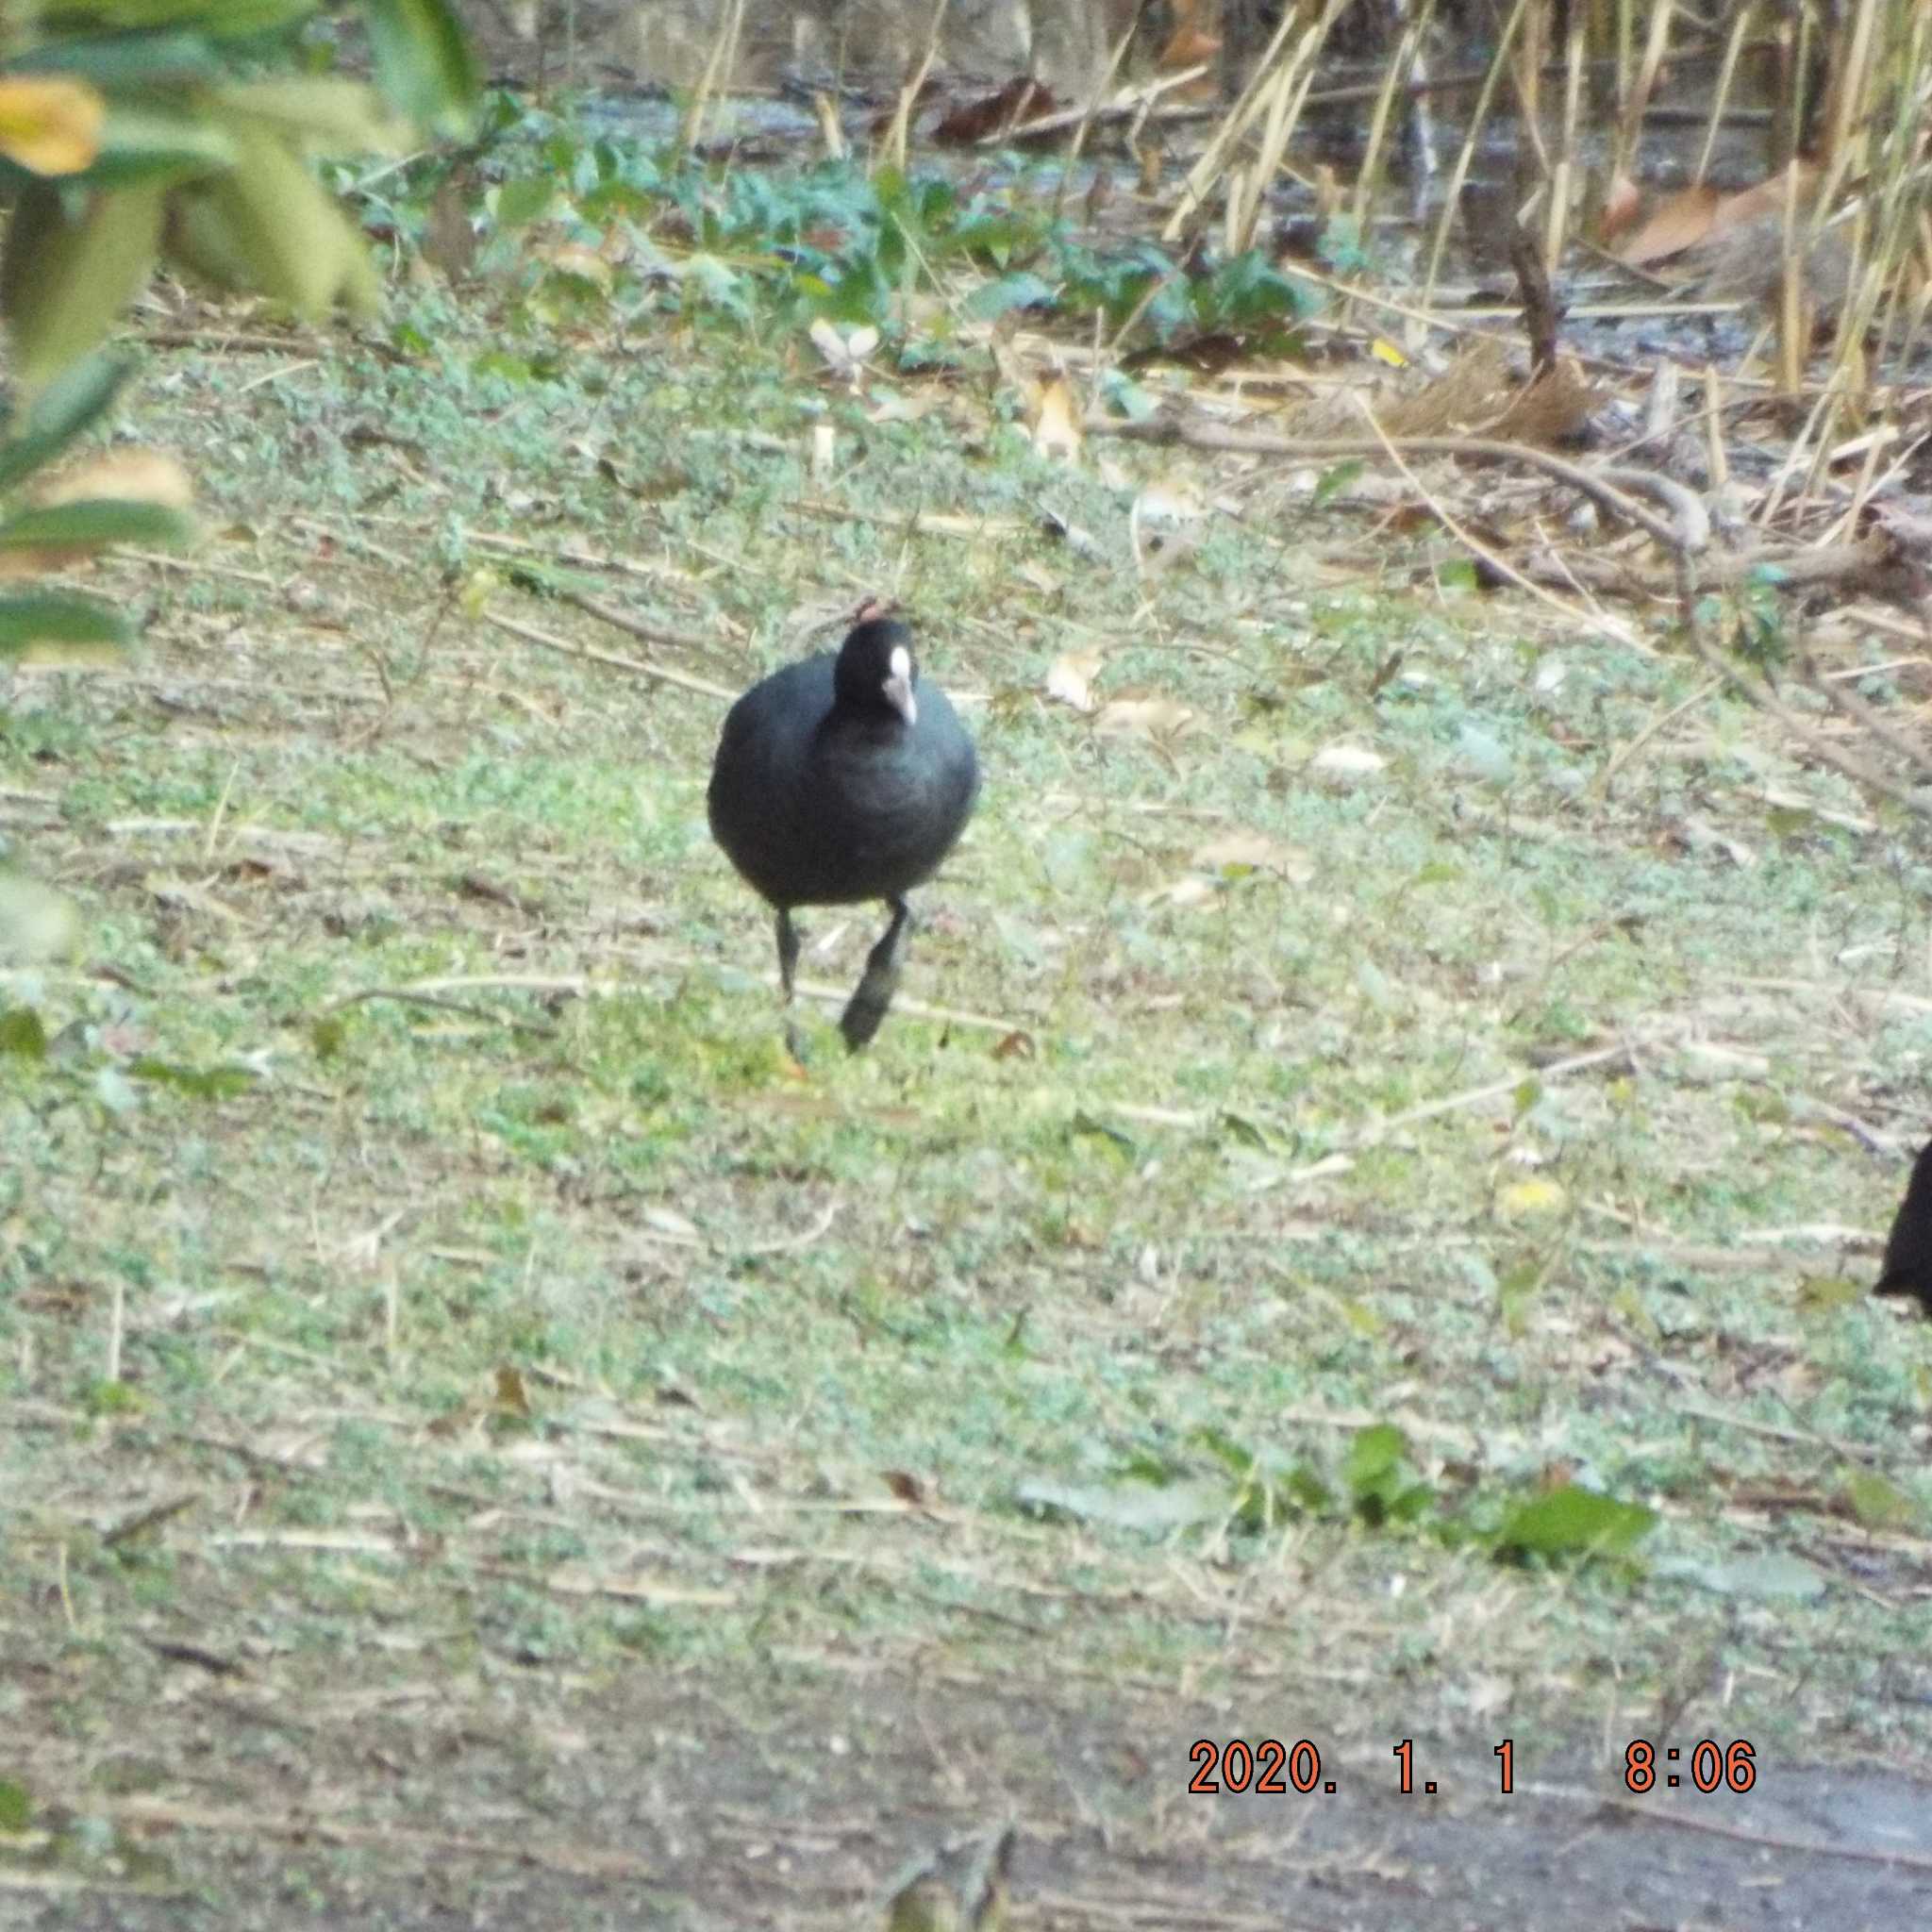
<point>1907,1267</point>
<point>840,779</point>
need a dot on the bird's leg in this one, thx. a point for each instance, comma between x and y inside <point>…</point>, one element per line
<point>787,951</point>
<point>867,1007</point>
<point>788,966</point>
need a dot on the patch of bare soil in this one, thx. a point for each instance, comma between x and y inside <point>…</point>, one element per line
<point>518,1797</point>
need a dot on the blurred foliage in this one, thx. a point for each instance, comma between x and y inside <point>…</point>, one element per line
<point>580,223</point>
<point>134,132</point>
<point>138,131</point>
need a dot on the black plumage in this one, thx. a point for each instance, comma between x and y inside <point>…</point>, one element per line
<point>1907,1267</point>
<point>840,779</point>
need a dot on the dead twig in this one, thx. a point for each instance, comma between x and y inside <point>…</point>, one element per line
<point>1749,685</point>
<point>520,1848</point>
<point>404,996</point>
<point>659,674</point>
<point>1684,533</point>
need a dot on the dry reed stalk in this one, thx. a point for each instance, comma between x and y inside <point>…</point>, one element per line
<point>1655,49</point>
<point>722,57</point>
<point>891,151</point>
<point>1794,338</point>
<point>1394,78</point>
<point>1847,90</point>
<point>1103,93</point>
<point>1247,196</point>
<point>1903,242</point>
<point>1564,170</point>
<point>1465,157</point>
<point>1217,154</point>
<point>1720,95</point>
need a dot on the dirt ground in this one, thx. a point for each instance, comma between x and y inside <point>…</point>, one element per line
<point>643,1804</point>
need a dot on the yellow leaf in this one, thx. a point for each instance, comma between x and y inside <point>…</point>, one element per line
<point>50,126</point>
<point>1384,350</point>
<point>1523,1200</point>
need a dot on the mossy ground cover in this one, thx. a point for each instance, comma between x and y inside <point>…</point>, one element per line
<point>481,1430</point>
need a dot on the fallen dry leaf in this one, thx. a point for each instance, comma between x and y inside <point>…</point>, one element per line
<point>845,353</point>
<point>1054,419</point>
<point>1021,99</point>
<point>1166,522</point>
<point>1142,717</point>
<point>1675,223</point>
<point>1191,890</point>
<point>138,476</point>
<point>1071,679</point>
<point>1346,762</point>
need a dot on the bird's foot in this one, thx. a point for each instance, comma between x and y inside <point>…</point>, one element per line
<point>863,1013</point>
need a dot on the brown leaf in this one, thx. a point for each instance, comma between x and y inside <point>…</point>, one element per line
<point>1054,419</point>
<point>1676,221</point>
<point>1021,99</point>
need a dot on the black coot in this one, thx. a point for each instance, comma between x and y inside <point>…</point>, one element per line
<point>1907,1267</point>
<point>840,779</point>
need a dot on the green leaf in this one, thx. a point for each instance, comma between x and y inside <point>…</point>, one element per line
<point>203,1083</point>
<point>156,143</point>
<point>21,1032</point>
<point>230,20</point>
<point>67,273</point>
<point>92,521</point>
<point>50,622</point>
<point>1332,482</point>
<point>79,397</point>
<point>322,111</point>
<point>1773,1577</point>
<point>1373,1456</point>
<point>1575,1521</point>
<point>1155,1507</point>
<point>16,1806</point>
<point>522,200</point>
<point>293,241</point>
<point>422,62</point>
<point>1126,395</point>
<point>1878,1504</point>
<point>1084,1123</point>
<point>1024,289</point>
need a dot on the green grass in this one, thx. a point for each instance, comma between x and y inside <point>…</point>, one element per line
<point>525,1343</point>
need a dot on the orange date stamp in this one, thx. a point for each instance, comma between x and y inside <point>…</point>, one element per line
<point>1270,1768</point>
